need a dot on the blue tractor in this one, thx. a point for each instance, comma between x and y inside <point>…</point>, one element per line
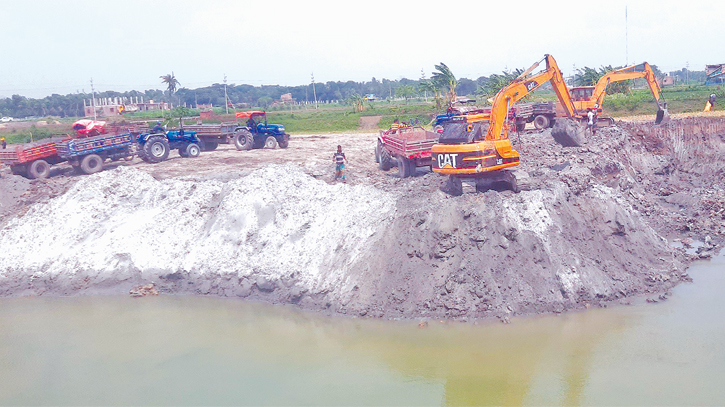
<point>258,133</point>
<point>155,147</point>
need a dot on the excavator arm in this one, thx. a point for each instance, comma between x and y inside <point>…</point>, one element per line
<point>522,86</point>
<point>643,70</point>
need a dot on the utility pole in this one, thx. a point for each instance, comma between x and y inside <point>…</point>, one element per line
<point>313,89</point>
<point>422,79</point>
<point>226,100</point>
<point>687,72</point>
<point>93,91</point>
<point>626,42</point>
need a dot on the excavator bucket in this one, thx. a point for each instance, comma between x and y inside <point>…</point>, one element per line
<point>663,116</point>
<point>568,132</point>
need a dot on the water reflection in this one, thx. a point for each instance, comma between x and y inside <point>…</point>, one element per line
<point>190,351</point>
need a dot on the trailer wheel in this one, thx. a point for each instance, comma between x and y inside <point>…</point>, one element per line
<point>209,145</point>
<point>270,143</point>
<point>156,149</point>
<point>39,169</point>
<point>243,139</point>
<point>541,122</point>
<point>403,167</point>
<point>386,160</point>
<point>193,150</point>
<point>91,164</point>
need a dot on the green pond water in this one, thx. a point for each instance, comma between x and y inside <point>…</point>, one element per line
<point>210,351</point>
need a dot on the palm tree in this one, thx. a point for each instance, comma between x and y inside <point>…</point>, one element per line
<point>170,81</point>
<point>444,78</point>
<point>432,87</point>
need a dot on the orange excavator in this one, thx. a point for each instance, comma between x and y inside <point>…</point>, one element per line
<point>476,147</point>
<point>592,97</point>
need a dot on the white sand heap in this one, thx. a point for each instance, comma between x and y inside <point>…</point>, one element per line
<point>276,222</point>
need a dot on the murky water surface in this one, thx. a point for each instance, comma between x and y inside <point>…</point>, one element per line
<point>194,351</point>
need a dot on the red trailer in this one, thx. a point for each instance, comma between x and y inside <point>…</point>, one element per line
<point>407,149</point>
<point>32,160</point>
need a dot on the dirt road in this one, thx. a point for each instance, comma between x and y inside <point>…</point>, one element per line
<point>596,227</point>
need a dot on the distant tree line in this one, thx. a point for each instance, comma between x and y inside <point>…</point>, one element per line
<point>441,86</point>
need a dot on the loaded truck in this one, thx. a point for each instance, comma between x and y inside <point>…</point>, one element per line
<point>254,133</point>
<point>407,149</point>
<point>32,160</point>
<point>93,143</point>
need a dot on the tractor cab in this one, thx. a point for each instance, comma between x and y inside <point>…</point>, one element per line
<point>256,123</point>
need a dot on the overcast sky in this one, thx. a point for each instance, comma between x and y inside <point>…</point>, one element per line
<point>58,46</point>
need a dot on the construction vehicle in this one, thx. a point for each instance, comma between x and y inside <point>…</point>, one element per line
<point>476,147</point>
<point>32,160</point>
<point>255,133</point>
<point>407,149</point>
<point>155,147</point>
<point>586,98</point>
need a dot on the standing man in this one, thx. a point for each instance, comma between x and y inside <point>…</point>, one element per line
<point>4,144</point>
<point>710,102</point>
<point>340,160</point>
<point>591,121</point>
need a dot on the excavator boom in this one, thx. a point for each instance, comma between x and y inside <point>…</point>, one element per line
<point>643,70</point>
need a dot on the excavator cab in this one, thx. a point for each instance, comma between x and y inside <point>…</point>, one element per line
<point>460,132</point>
<point>582,93</point>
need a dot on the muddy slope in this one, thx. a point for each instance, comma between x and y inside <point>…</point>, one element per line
<point>590,230</point>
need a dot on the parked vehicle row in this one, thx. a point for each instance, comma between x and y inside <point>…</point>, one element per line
<point>93,142</point>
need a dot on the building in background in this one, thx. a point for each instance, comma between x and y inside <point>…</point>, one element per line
<point>106,107</point>
<point>715,74</point>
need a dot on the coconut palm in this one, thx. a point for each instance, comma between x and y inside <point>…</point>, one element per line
<point>170,81</point>
<point>431,87</point>
<point>444,78</point>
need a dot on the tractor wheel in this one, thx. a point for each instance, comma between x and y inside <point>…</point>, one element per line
<point>386,160</point>
<point>209,145</point>
<point>541,122</point>
<point>403,167</point>
<point>243,139</point>
<point>193,150</point>
<point>283,142</point>
<point>378,146</point>
<point>39,169</point>
<point>91,164</point>
<point>156,149</point>
<point>270,143</point>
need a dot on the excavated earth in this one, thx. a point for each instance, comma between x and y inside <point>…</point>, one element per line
<point>605,223</point>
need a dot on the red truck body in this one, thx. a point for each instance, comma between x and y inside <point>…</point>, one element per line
<point>407,149</point>
<point>32,160</point>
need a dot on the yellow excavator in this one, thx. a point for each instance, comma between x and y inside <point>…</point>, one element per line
<point>592,97</point>
<point>476,147</point>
